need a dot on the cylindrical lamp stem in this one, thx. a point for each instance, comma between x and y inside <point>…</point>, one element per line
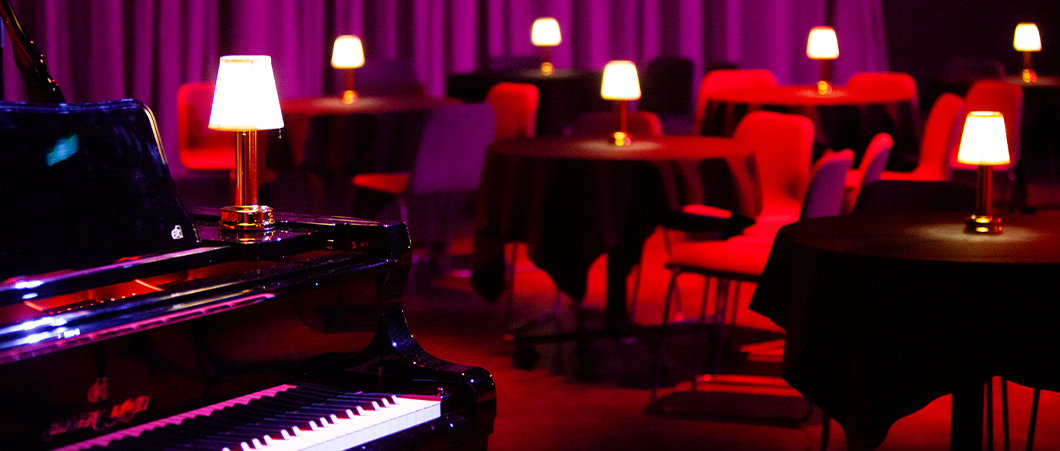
<point>247,167</point>
<point>983,199</point>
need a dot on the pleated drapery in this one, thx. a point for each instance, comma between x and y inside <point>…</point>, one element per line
<point>145,49</point>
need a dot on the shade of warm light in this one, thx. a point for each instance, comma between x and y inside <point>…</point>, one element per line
<point>620,81</point>
<point>545,32</point>
<point>984,141</point>
<point>1027,38</point>
<point>348,53</point>
<point>822,44</point>
<point>245,95</point>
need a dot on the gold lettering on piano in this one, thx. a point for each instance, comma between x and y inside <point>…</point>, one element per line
<point>101,419</point>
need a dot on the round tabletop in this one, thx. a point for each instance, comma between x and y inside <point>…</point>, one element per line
<point>667,147</point>
<point>884,313</point>
<point>806,95</point>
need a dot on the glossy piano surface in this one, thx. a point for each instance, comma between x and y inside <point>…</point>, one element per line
<point>318,301</point>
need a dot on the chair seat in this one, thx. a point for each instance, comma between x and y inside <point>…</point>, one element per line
<point>738,258</point>
<point>389,182</point>
<point>209,158</point>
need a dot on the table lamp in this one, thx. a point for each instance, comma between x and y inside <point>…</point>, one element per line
<point>545,34</point>
<point>1027,40</point>
<point>822,45</point>
<point>983,143</point>
<point>621,83</point>
<point>348,54</point>
<point>245,101</point>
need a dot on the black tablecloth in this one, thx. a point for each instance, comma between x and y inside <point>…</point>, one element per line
<point>564,96</point>
<point>885,313</point>
<point>572,200</point>
<point>843,119</point>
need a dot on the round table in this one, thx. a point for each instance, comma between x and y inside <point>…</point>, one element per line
<point>327,141</point>
<point>884,313</point>
<point>843,118</point>
<point>574,199</point>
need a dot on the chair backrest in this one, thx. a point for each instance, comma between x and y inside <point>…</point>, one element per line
<point>942,129</point>
<point>516,107</point>
<point>640,123</point>
<point>900,83</point>
<point>194,138</point>
<point>783,148</point>
<point>452,149</point>
<point>875,159</point>
<point>393,78</point>
<point>824,196</point>
<point>724,79</point>
<point>887,196</point>
<point>990,95</point>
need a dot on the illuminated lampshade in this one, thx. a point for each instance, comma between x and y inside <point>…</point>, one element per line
<point>245,101</point>
<point>1027,40</point>
<point>984,143</point>
<point>621,83</point>
<point>822,44</point>
<point>984,140</point>
<point>545,32</point>
<point>347,52</point>
<point>245,95</point>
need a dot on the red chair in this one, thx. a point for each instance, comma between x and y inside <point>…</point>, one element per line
<point>941,133</point>
<point>901,84</point>
<point>1006,98</point>
<point>198,147</point>
<point>724,79</point>
<point>516,108</point>
<point>743,257</point>
<point>870,170</point>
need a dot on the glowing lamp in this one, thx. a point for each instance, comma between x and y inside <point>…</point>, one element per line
<point>245,101</point>
<point>545,34</point>
<point>822,45</point>
<point>984,143</point>
<point>1027,40</point>
<point>348,54</point>
<point>621,83</point>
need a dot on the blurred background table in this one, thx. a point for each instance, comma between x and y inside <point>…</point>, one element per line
<point>884,313</point>
<point>564,96</point>
<point>574,199</point>
<point>329,141</point>
<point>843,118</point>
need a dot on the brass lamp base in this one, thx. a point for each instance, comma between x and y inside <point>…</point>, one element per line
<point>622,139</point>
<point>983,224</point>
<point>247,218</point>
<point>823,87</point>
<point>1029,76</point>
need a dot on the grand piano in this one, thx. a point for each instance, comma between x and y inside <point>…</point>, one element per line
<point>128,321</point>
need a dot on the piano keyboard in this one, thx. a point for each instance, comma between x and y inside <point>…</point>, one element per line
<point>283,418</point>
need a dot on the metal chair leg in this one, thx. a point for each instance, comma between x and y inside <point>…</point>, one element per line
<point>662,337</point>
<point>1034,418</point>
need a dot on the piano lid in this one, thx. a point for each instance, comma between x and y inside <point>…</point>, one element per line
<point>84,184</point>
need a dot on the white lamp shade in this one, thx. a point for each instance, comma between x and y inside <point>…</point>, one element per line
<point>620,81</point>
<point>545,32</point>
<point>244,96</point>
<point>822,44</point>
<point>1027,38</point>
<point>984,140</point>
<point>348,53</point>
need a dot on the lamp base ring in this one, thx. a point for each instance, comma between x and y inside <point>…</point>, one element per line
<point>247,218</point>
<point>982,224</point>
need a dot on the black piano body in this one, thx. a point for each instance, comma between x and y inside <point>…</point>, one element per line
<point>121,308</point>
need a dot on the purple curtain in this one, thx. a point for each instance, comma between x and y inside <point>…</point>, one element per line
<point>145,49</point>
